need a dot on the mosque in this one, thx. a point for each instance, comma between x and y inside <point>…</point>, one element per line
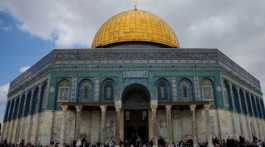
<point>134,82</point>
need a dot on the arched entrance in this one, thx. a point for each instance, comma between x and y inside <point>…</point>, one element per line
<point>136,101</point>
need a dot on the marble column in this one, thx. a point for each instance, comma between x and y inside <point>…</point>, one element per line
<point>169,123</point>
<point>117,127</point>
<point>62,131</point>
<point>154,134</point>
<point>36,140</point>
<point>22,129</point>
<point>30,119</point>
<point>18,121</point>
<point>233,110</point>
<point>247,116</point>
<point>102,125</point>
<point>8,121</point>
<point>239,114</point>
<point>78,116</point>
<point>12,122</point>
<point>194,128</point>
<point>5,123</point>
<point>208,125</point>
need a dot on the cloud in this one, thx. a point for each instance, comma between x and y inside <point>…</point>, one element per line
<point>67,23</point>
<point>235,27</point>
<point>24,68</point>
<point>3,93</point>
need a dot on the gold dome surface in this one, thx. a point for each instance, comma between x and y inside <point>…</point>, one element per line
<point>134,26</point>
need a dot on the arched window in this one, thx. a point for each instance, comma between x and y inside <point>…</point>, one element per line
<point>21,106</point>
<point>64,89</point>
<point>227,96</point>
<point>163,89</point>
<point>250,110</point>
<point>108,90</point>
<point>85,89</point>
<point>236,98</point>
<point>186,91</point>
<point>207,89</point>
<point>243,102</point>
<point>34,101</point>
<point>6,112</point>
<point>28,97</point>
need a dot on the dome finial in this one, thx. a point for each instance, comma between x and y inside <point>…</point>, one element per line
<point>135,2</point>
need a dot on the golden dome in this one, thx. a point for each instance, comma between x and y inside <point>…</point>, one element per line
<point>134,26</point>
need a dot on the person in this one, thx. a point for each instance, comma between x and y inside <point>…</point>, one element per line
<point>79,143</point>
<point>22,143</point>
<point>74,143</point>
<point>138,140</point>
<point>5,143</point>
<point>83,142</point>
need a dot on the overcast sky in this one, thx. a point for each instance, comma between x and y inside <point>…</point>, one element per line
<point>236,27</point>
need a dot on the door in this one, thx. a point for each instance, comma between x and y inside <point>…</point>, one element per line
<point>135,127</point>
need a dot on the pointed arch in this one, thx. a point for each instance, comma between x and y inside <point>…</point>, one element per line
<point>85,90</point>
<point>34,100</point>
<point>163,89</point>
<point>186,89</point>
<point>207,89</point>
<point>64,87</point>
<point>227,95</point>
<point>242,100</point>
<point>236,98</point>
<point>107,90</point>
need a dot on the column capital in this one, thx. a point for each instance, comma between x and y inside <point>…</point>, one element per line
<point>154,105</point>
<point>192,107</point>
<point>153,108</point>
<point>207,106</point>
<point>118,109</point>
<point>118,105</point>
<point>64,107</point>
<point>103,108</point>
<point>168,107</point>
<point>78,108</point>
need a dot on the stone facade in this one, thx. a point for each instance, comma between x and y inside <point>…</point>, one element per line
<point>237,107</point>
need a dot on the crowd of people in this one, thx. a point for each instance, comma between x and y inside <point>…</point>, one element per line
<point>229,142</point>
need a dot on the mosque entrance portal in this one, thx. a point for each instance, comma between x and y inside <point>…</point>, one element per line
<point>136,101</point>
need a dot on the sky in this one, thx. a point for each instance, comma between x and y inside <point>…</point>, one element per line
<point>29,29</point>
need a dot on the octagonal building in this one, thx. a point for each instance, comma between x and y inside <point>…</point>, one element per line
<point>135,82</point>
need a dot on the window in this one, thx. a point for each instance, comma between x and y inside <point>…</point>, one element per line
<point>64,90</point>
<point>236,99</point>
<point>11,110</point>
<point>163,89</point>
<point>21,106</point>
<point>6,112</point>
<point>44,98</point>
<point>207,89</point>
<point>108,91</point>
<point>28,98</point>
<point>85,89</point>
<point>227,96</point>
<point>34,101</point>
<point>186,89</point>
<point>243,102</point>
<point>250,110</point>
